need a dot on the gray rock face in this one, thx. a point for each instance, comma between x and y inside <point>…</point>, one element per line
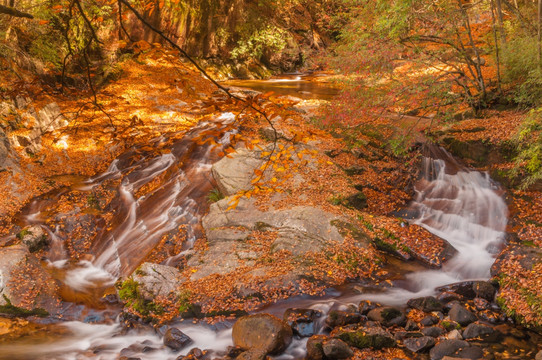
<point>235,174</point>
<point>24,282</point>
<point>299,230</point>
<point>157,280</point>
<point>262,332</point>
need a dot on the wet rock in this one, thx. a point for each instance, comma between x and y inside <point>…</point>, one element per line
<point>425,304</point>
<point>476,330</point>
<point>367,337</point>
<point>433,331</point>
<point>388,316</point>
<point>341,318</point>
<point>447,348</point>
<point>401,335</point>
<point>461,315</point>
<point>175,339</point>
<point>471,352</point>
<point>336,349</point>
<point>262,332</point>
<point>315,349</point>
<point>34,237</point>
<point>481,304</point>
<point>254,354</point>
<point>484,290</point>
<point>429,320</point>
<point>302,321</point>
<point>411,325</point>
<point>365,306</point>
<point>448,296</point>
<point>233,351</point>
<point>157,280</point>
<point>420,344</point>
<point>471,289</point>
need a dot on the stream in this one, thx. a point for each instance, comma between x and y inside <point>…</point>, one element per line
<point>462,206</point>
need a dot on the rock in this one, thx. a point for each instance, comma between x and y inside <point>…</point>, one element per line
<point>50,118</point>
<point>454,335</point>
<point>315,349</point>
<point>425,304</point>
<point>252,355</point>
<point>420,344</point>
<point>447,348</point>
<point>448,296</point>
<point>461,315</point>
<point>300,230</point>
<point>433,331</point>
<point>538,355</point>
<point>175,339</point>
<point>302,321</point>
<point>471,352</point>
<point>262,332</point>
<point>411,325</point>
<point>34,237</point>
<point>336,349</point>
<point>157,280</point>
<point>429,320</point>
<point>388,316</point>
<point>471,289</point>
<point>367,337</point>
<point>484,290</point>
<point>476,330</point>
<point>449,325</point>
<point>365,306</point>
<point>481,304</point>
<point>341,318</point>
<point>235,173</point>
<point>24,281</point>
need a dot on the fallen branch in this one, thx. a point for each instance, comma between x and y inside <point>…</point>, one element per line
<point>14,12</point>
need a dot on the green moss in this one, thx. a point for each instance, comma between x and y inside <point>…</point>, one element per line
<point>93,202</point>
<point>23,233</point>
<point>390,314</point>
<point>129,293</point>
<point>215,195</point>
<point>362,340</point>
<point>10,309</point>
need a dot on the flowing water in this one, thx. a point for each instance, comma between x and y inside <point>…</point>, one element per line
<point>462,206</point>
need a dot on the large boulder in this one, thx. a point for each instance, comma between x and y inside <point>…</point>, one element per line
<point>235,173</point>
<point>262,332</point>
<point>299,230</point>
<point>157,280</point>
<point>24,282</point>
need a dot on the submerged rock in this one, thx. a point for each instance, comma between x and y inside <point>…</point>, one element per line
<point>262,332</point>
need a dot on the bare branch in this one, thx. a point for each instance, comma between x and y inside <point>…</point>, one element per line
<point>14,12</point>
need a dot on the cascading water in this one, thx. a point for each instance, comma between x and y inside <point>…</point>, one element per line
<point>463,207</point>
